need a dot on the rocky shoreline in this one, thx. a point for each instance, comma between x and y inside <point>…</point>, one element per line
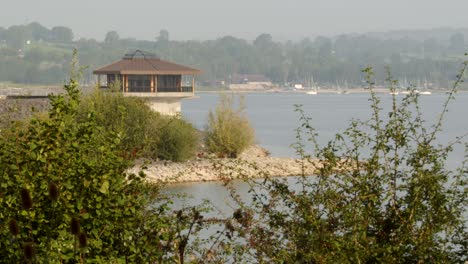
<point>253,163</point>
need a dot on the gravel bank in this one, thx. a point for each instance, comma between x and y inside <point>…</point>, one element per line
<point>253,163</point>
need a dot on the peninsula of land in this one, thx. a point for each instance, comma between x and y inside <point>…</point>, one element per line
<point>255,162</point>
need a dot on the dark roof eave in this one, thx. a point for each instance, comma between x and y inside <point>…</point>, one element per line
<point>149,72</point>
<point>105,72</point>
<point>146,66</point>
<point>162,72</point>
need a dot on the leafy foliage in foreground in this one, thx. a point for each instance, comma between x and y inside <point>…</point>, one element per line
<point>382,195</point>
<point>59,176</point>
<point>66,198</point>
<point>228,132</point>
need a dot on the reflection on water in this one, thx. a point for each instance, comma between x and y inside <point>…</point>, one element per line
<point>214,192</point>
<point>217,194</point>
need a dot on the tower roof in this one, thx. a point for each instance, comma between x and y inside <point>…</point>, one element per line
<point>140,62</point>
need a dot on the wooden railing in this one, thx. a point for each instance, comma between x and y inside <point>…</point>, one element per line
<point>183,89</point>
<point>143,89</point>
<point>139,89</point>
<point>187,89</point>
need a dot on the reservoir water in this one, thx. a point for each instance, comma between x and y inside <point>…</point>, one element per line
<point>273,117</point>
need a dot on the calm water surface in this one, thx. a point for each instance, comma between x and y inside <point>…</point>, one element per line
<point>274,120</point>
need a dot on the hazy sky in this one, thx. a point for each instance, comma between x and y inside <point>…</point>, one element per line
<point>208,19</point>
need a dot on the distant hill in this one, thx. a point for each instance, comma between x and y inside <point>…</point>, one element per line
<point>33,54</point>
<point>440,34</point>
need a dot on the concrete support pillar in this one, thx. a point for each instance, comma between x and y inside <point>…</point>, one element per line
<point>193,84</point>
<point>179,84</point>
<point>126,83</point>
<point>155,83</point>
<point>165,106</point>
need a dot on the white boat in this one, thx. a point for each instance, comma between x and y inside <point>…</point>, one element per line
<point>425,93</point>
<point>393,93</point>
<point>405,92</point>
<point>312,92</point>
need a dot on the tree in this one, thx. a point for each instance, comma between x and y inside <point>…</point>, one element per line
<point>38,31</point>
<point>263,41</point>
<point>457,42</point>
<point>228,132</point>
<point>162,44</point>
<point>17,37</point>
<point>3,33</point>
<point>112,39</point>
<point>163,36</point>
<point>431,46</point>
<point>324,45</point>
<point>61,34</point>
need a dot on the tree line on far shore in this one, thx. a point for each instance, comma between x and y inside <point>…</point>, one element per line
<point>34,54</point>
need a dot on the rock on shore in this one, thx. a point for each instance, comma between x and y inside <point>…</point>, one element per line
<point>253,163</point>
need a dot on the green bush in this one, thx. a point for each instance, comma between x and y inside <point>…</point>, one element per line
<point>128,117</point>
<point>178,140</point>
<point>383,194</point>
<point>228,132</point>
<point>64,193</point>
<point>143,132</point>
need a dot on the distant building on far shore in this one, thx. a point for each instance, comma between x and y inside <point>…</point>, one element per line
<point>249,82</point>
<point>298,86</point>
<point>142,74</point>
